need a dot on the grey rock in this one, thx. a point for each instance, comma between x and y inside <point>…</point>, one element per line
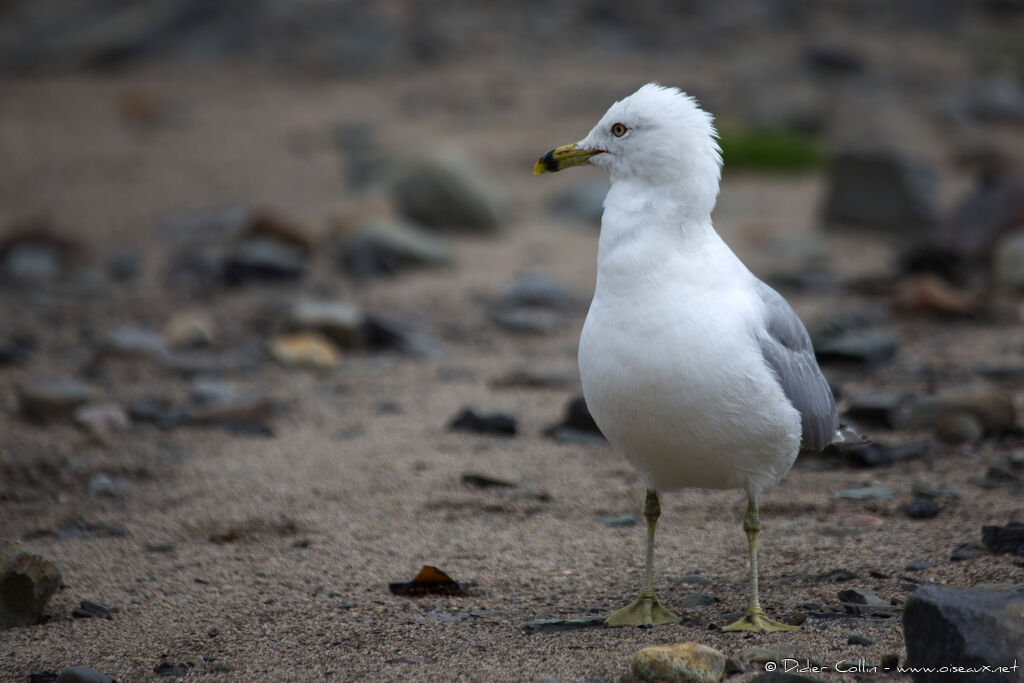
<point>124,265</point>
<point>1008,263</point>
<point>537,289</point>
<point>931,490</point>
<point>483,422</point>
<point>342,322</point>
<point>882,191</point>
<point>387,247</point>
<point>857,639</point>
<point>583,202</point>
<point>485,481</point>
<point>946,626</point>
<point>208,224</point>
<point>993,409</point>
<point>558,625</point>
<point>868,455</point>
<point>990,213</point>
<point>17,349</point>
<point>577,424</point>
<point>783,677</point>
<point>366,162</point>
<point>102,419</point>
<point>966,551</point>
<point>698,599</point>
<point>993,99</point>
<point>529,320</point>
<point>218,403</point>
<point>619,521</point>
<point>49,400</point>
<point>103,485</point>
<point>921,508</point>
<point>877,410</point>
<point>876,493</point>
<point>445,193</point>
<point>264,259</point>
<point>919,566</point>
<point>31,264</point>
<point>132,340</point>
<point>833,59</point>
<point>868,348</point>
<point>959,428</point>
<point>1005,539</point>
<point>82,674</point>
<point>998,477</point>
<point>90,610</point>
<point>27,582</point>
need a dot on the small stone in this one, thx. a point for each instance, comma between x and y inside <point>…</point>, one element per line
<point>190,329</point>
<point>918,566</point>
<point>49,400</point>
<point>27,582</point>
<point>994,409</point>
<point>536,288</point>
<point>931,490</point>
<point>921,508</point>
<point>889,662</point>
<point>577,424</point>
<point>620,521</point>
<point>483,422</point>
<point>875,493</point>
<point>946,626</point>
<point>958,428</point>
<point>559,625</point>
<point>485,481</point>
<point>861,520</point>
<point>443,192</point>
<point>862,596</point>
<point>867,348</point>
<point>527,379</point>
<point>305,349</point>
<point>103,485</point>
<point>170,669</point>
<point>966,551</point>
<point>679,663</point>
<point>342,322</point>
<point>402,334</point>
<point>929,293</point>
<point>264,259</point>
<point>857,639</point>
<point>132,340</point>
<point>82,674</point>
<point>1007,539</point>
<point>528,320</point>
<point>877,410</point>
<point>220,403</point>
<point>103,419</point>
<point>882,191</point>
<point>90,610</point>
<point>387,247</point>
<point>17,349</point>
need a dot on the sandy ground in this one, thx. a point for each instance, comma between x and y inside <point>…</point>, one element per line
<point>351,494</point>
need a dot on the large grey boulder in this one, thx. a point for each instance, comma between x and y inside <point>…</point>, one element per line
<point>970,628</point>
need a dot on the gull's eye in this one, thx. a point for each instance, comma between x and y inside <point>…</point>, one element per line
<point>619,129</point>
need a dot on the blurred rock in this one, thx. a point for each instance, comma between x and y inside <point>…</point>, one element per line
<point>928,293</point>
<point>534,303</point>
<point>966,551</point>
<point>103,485</point>
<point>342,322</point>
<point>865,455</point>
<point>210,224</point>
<point>946,626</point>
<point>828,58</point>
<point>124,265</point>
<point>877,410</point>
<point>882,191</point>
<point>619,521</point>
<point>931,490</point>
<point>959,428</point>
<point>264,259</point>
<point>102,419</point>
<point>190,329</point>
<point>306,349</point>
<point>523,378</point>
<point>387,247</point>
<point>681,662</point>
<point>994,99</point>
<point>577,425</point>
<point>874,493</point>
<point>1008,263</point>
<point>528,320</point>
<point>33,253</point>
<point>132,340</point>
<point>27,582</point>
<point>366,162</point>
<point>921,508</point>
<point>50,400</point>
<point>445,193</point>
<point>988,214</point>
<point>1004,539</point>
<point>218,403</point>
<point>583,202</point>
<point>17,349</point>
<point>82,674</point>
<point>403,334</point>
<point>483,422</point>
<point>864,347</point>
<point>993,409</point>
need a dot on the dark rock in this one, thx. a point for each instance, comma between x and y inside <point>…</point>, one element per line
<point>558,625</point>
<point>443,192</point>
<point>862,596</point>
<point>867,348</point>
<point>42,677</point>
<point>484,481</point>
<point>527,379</point>
<point>918,566</point>
<point>169,669</point>
<point>538,289</point>
<point>698,599</point>
<point>471,420</point>
<point>620,521</point>
<point>833,59</point>
<point>857,639</point>
<point>1008,263</point>
<point>131,340</point>
<point>876,455</point>
<point>342,322</point>
<point>990,212</point>
<point>90,610</point>
<point>782,677</point>
<point>222,404</point>
<point>577,424</point>
<point>877,410</point>
<point>386,247</point>
<point>921,508</point>
<point>264,259</point>
<point>930,490</point>
<point>889,662</point>
<point>157,410</point>
<point>882,191</point>
<point>959,428</point>
<point>966,551</point>
<point>993,99</point>
<point>82,674</point>
<point>27,582</point>
<point>103,485</point>
<point>16,350</point>
<point>1004,539</point>
<point>528,320</point>
<point>946,626</point>
<point>366,162</point>
<point>583,202</point>
<point>402,334</point>
<point>33,254</point>
<point>999,477</point>
<point>125,265</point>
<point>50,400</point>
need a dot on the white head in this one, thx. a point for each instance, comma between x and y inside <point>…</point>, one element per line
<point>657,136</point>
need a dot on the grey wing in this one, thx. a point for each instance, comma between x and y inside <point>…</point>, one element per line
<point>787,349</point>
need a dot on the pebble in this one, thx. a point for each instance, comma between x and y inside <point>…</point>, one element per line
<point>103,485</point>
<point>170,669</point>
<point>132,340</point>
<point>679,663</point>
<point>986,220</point>
<point>862,596</point>
<point>17,350</point>
<point>878,409</point>
<point>577,424</point>
<point>866,493</point>
<point>27,582</point>
<point>33,254</point>
<point>485,481</point>
<point>90,610</point>
<point>305,349</point>
<point>483,422</point>
<point>528,320</point>
<point>385,247</point>
<point>264,259</point>
<point>966,551</point>
<point>536,288</point>
<point>527,379</point>
<point>402,334</point>
<point>82,674</point>
<point>881,190</point>
<point>929,293</point>
<point>921,508</point>
<point>857,639</point>
<point>918,566</point>
<point>190,329</point>
<point>559,625</point>
<point>944,625</point>
<point>341,321</point>
<point>867,348</point>
<point>215,402</point>
<point>959,428</point>
<point>102,419</point>
<point>50,400</point>
<point>1004,539</point>
<point>994,409</point>
<point>444,192</point>
<point>931,490</point>
<point>878,454</point>
<point>620,521</point>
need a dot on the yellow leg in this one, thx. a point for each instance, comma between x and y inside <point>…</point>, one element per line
<point>754,618</point>
<point>647,610</point>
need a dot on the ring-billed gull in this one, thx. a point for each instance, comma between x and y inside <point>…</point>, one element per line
<point>698,372</point>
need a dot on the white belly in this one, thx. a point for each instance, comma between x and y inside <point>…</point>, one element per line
<point>687,396</point>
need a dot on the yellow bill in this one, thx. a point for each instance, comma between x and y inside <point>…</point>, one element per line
<point>563,157</point>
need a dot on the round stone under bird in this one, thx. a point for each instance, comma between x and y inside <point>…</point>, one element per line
<point>698,372</point>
